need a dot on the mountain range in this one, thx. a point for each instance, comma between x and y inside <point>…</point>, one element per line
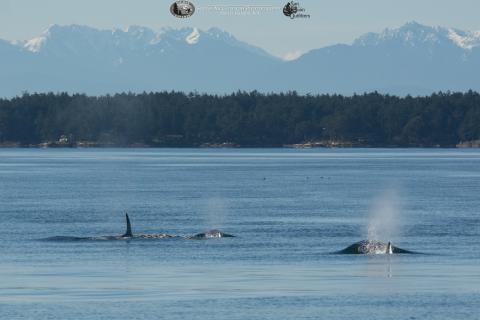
<point>413,59</point>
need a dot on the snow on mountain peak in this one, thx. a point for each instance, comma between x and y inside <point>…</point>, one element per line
<point>35,45</point>
<point>463,39</point>
<point>75,39</point>
<point>413,34</point>
<point>193,37</point>
<point>410,34</point>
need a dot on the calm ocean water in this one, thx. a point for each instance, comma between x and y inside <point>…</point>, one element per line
<point>290,209</point>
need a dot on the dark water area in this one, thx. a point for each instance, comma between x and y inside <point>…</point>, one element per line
<point>289,209</point>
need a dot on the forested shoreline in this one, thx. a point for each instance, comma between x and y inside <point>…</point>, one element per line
<point>243,119</point>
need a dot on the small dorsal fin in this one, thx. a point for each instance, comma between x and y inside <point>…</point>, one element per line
<point>389,248</point>
<point>128,233</point>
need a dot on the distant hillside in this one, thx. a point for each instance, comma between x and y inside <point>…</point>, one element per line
<point>413,59</point>
<point>242,119</point>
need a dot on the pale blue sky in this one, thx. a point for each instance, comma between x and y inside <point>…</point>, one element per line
<point>332,21</point>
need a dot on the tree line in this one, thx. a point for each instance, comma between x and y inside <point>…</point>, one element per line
<point>242,118</point>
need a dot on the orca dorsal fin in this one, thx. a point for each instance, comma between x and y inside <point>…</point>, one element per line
<point>389,248</point>
<point>128,233</point>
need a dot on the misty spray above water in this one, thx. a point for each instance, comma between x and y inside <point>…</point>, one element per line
<point>215,211</point>
<point>384,217</point>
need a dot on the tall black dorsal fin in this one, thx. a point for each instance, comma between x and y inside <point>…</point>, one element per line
<point>128,233</point>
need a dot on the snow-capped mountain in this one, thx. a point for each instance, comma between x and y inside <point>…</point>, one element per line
<point>81,41</point>
<point>82,59</point>
<point>414,34</point>
<point>413,59</point>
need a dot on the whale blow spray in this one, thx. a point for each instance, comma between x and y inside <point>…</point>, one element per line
<point>215,212</point>
<point>384,218</point>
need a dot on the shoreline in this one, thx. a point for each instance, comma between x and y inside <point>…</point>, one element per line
<point>64,143</point>
<point>230,147</point>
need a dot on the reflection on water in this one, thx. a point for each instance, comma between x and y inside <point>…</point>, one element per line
<point>289,208</point>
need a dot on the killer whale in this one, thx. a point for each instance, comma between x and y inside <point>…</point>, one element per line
<point>373,247</point>
<point>210,235</point>
<point>129,235</point>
